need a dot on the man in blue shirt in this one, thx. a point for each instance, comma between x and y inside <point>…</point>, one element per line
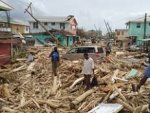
<point>55,60</point>
<point>146,74</point>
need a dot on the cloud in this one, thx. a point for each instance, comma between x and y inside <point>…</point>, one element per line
<point>87,12</point>
<point>19,9</point>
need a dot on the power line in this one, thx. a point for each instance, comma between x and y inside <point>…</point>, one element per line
<point>22,2</point>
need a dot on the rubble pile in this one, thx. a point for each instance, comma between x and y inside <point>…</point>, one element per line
<point>33,89</point>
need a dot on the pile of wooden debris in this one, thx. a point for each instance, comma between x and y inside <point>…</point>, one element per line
<point>33,89</point>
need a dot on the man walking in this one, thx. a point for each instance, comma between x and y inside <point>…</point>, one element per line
<point>145,77</point>
<point>108,48</point>
<point>146,74</point>
<point>55,60</point>
<point>88,70</point>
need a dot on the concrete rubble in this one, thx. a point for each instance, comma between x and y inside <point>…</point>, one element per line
<point>33,89</point>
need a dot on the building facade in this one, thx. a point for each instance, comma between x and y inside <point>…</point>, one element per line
<point>121,33</point>
<point>121,36</point>
<point>14,26</point>
<point>64,38</point>
<point>68,24</point>
<point>136,29</point>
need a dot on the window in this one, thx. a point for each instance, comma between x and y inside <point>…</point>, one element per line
<point>149,24</point>
<point>122,33</point>
<point>27,28</point>
<point>53,23</point>
<point>138,25</point>
<point>74,50</point>
<point>73,27</point>
<point>118,33</point>
<point>82,50</point>
<point>45,23</point>
<point>91,50</point>
<point>86,50</point>
<point>35,25</point>
<point>100,50</point>
<point>62,25</point>
<point>2,25</point>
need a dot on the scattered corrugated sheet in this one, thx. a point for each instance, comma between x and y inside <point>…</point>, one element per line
<point>52,19</point>
<point>140,19</point>
<point>107,108</point>
<point>13,21</point>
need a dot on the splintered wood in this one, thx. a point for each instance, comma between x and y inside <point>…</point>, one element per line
<point>34,89</point>
<point>4,90</point>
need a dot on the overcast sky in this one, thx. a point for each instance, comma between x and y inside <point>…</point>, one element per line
<point>87,12</point>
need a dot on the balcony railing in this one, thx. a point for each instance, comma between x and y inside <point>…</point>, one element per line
<point>3,29</point>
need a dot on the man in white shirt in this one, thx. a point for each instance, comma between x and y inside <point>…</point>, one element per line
<point>88,70</point>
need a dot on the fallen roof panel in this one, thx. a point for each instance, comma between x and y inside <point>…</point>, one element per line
<point>144,40</point>
<point>107,108</point>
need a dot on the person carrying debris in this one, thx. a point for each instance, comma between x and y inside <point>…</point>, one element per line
<point>88,70</point>
<point>144,78</point>
<point>55,60</point>
<point>146,74</point>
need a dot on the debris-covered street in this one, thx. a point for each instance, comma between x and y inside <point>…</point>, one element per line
<point>32,88</point>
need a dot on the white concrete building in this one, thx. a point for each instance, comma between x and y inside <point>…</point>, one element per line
<point>68,24</point>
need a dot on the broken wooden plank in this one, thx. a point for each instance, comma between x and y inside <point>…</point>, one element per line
<point>31,66</point>
<point>7,109</point>
<point>114,95</point>
<point>121,95</point>
<point>82,97</point>
<point>126,105</point>
<point>23,67</point>
<point>49,103</point>
<point>4,90</point>
<point>76,82</point>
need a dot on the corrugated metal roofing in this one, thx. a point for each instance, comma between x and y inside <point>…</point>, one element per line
<point>121,29</point>
<point>19,22</point>
<point>107,108</point>
<point>51,19</point>
<point>145,40</point>
<point>14,21</point>
<point>140,19</point>
<point>4,6</point>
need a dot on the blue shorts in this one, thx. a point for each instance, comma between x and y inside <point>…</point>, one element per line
<point>147,71</point>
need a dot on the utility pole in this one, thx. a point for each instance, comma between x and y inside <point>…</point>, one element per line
<point>107,29</point>
<point>144,36</point>
<point>96,31</point>
<point>145,21</point>
<point>26,10</point>
<point>111,33</point>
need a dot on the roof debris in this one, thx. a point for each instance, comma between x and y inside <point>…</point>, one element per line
<point>32,87</point>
